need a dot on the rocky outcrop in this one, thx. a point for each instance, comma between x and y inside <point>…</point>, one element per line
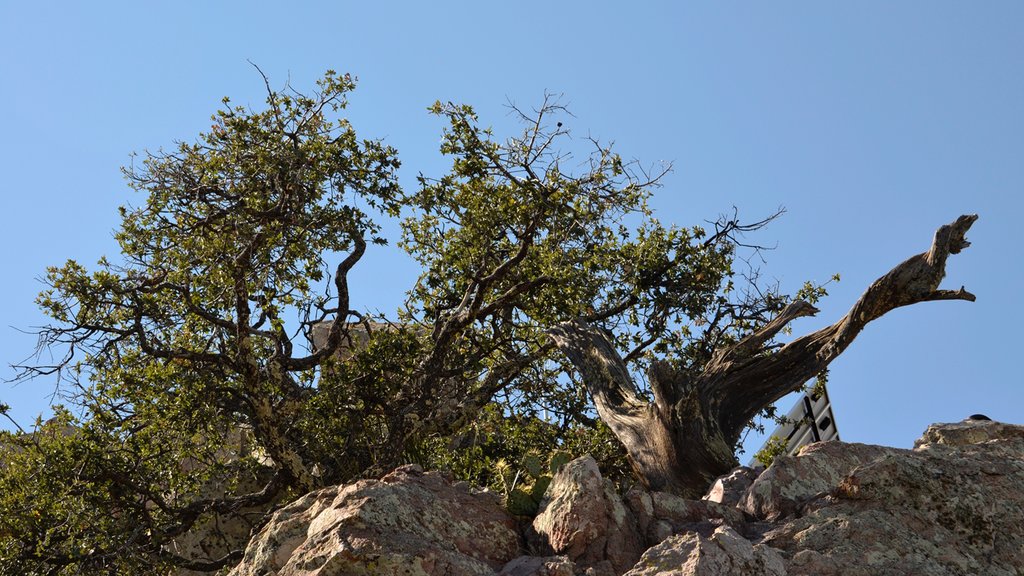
<point>952,505</point>
<point>967,432</point>
<point>409,523</point>
<point>954,509</point>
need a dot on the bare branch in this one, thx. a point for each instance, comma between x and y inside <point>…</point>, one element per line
<point>338,326</point>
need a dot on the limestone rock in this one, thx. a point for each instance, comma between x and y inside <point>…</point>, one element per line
<point>815,470</point>
<point>935,512</point>
<point>731,488</point>
<point>582,517</point>
<point>724,553</point>
<point>409,522</point>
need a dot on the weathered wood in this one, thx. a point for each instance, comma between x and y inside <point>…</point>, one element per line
<point>683,440</point>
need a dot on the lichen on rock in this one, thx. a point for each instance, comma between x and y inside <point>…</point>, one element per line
<point>951,506</point>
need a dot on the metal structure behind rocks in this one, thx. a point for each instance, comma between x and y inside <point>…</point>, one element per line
<point>810,420</point>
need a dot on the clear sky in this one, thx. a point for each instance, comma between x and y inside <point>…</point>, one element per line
<point>871,122</point>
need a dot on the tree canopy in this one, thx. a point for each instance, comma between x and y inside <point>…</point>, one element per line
<point>218,367</point>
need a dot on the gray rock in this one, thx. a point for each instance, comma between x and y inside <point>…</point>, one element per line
<point>967,432</point>
<point>660,514</point>
<point>535,566</point>
<point>955,510</point>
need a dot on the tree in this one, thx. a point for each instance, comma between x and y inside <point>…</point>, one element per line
<point>182,344</point>
<point>195,396</point>
<point>215,370</point>
<point>684,439</point>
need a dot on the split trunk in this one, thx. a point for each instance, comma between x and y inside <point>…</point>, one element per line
<point>684,439</point>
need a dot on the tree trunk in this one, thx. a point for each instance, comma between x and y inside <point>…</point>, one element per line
<point>683,440</point>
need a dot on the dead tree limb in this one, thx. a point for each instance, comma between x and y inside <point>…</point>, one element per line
<point>684,439</point>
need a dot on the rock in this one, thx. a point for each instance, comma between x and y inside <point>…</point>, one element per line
<point>967,432</point>
<point>582,517</point>
<point>731,488</point>
<point>724,553</point>
<point>409,522</point>
<point>953,505</point>
<point>660,514</point>
<point>534,566</point>
<point>816,469</point>
<point>958,510</point>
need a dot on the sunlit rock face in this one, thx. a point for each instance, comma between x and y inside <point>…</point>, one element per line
<point>952,505</point>
<point>408,522</point>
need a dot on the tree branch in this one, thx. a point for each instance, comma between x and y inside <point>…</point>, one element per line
<point>747,386</point>
<point>600,365</point>
<point>686,437</point>
<point>339,325</point>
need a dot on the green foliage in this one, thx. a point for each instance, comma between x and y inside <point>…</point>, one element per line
<point>513,242</point>
<point>772,449</point>
<point>812,293</point>
<point>189,367</point>
<point>71,495</point>
<point>348,426</point>
<point>187,341</point>
<point>516,456</point>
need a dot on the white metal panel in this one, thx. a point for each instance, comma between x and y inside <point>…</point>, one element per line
<point>810,420</point>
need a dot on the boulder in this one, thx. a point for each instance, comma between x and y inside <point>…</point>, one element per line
<point>723,553</point>
<point>581,516</point>
<point>731,488</point>
<point>938,512</point>
<point>409,522</point>
<point>815,470</point>
<point>953,505</point>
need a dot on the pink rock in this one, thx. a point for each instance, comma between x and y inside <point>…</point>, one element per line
<point>409,522</point>
<point>583,518</point>
<point>815,470</point>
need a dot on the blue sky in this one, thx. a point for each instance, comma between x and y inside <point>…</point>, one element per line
<point>872,123</point>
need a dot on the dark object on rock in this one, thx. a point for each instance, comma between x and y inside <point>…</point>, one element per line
<point>978,417</point>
